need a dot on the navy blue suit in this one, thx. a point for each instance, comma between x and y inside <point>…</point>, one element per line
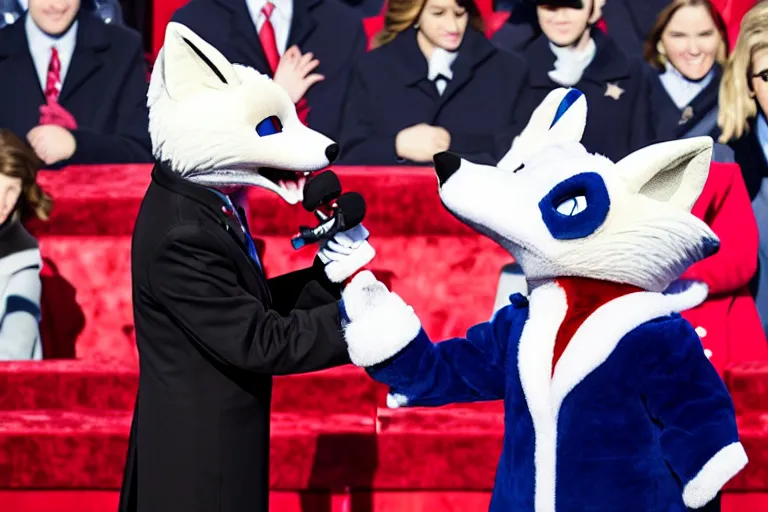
<point>615,127</point>
<point>105,89</point>
<point>332,31</point>
<point>697,118</point>
<point>390,91</point>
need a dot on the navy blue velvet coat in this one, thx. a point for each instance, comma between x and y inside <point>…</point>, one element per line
<point>629,420</point>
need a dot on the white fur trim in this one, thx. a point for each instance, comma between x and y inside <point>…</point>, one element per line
<point>547,308</point>
<point>723,466</point>
<point>396,400</point>
<point>381,332</point>
<point>341,269</point>
<point>590,347</point>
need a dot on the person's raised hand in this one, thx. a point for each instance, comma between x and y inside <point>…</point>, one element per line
<point>294,72</point>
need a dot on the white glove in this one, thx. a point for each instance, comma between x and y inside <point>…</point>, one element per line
<point>346,253</point>
<point>379,324</point>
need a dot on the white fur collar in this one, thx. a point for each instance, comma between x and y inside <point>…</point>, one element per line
<point>590,347</point>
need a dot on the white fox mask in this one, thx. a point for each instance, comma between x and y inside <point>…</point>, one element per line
<point>561,211</point>
<point>220,124</point>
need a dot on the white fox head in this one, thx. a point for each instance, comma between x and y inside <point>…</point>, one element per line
<point>216,123</point>
<point>562,211</point>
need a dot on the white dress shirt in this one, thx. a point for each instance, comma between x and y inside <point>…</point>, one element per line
<point>24,4</point>
<point>681,89</point>
<point>281,19</point>
<point>440,70</point>
<point>40,45</point>
<point>571,63</point>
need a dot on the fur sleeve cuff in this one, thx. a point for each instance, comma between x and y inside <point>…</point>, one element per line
<point>723,466</point>
<point>381,333</point>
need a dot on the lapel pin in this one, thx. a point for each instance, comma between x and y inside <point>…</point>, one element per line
<point>613,91</point>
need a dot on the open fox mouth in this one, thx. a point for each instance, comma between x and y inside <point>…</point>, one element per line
<point>290,181</point>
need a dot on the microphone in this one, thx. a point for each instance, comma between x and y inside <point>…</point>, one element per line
<point>347,212</point>
<point>319,192</point>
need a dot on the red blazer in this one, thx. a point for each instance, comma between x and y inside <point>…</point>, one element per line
<point>728,322</point>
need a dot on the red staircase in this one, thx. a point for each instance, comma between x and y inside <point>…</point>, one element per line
<point>64,422</point>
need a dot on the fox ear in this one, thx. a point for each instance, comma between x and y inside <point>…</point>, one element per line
<point>671,172</point>
<point>190,65</point>
<point>560,118</point>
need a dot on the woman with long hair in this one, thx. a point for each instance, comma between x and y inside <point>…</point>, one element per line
<point>686,48</point>
<point>433,82</point>
<point>20,262</point>
<point>742,120</point>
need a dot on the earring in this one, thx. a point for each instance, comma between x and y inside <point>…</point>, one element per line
<point>416,26</point>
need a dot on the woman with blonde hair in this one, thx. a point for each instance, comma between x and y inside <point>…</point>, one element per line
<point>20,261</point>
<point>686,48</point>
<point>742,121</point>
<point>433,82</point>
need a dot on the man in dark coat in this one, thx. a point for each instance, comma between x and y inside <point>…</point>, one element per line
<point>211,329</point>
<point>308,46</point>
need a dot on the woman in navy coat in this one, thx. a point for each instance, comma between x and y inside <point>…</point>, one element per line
<point>432,83</point>
<point>686,48</point>
<point>572,53</point>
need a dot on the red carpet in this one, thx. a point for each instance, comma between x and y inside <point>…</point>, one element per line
<point>64,422</point>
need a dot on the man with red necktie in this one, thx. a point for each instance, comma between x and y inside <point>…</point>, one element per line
<point>307,46</point>
<point>74,86</point>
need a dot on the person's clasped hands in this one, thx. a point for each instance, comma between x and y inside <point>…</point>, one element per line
<point>420,142</point>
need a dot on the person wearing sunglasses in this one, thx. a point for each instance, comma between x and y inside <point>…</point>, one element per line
<point>742,120</point>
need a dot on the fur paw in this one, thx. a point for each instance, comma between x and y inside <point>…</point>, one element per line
<point>380,323</point>
<point>346,253</point>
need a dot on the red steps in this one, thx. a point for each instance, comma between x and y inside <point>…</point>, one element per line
<point>76,385</point>
<point>55,449</point>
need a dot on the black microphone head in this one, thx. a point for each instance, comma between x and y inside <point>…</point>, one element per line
<point>352,206</point>
<point>321,189</point>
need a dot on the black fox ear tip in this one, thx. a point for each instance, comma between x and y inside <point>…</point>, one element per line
<point>446,164</point>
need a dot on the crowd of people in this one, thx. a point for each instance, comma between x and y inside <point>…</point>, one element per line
<point>75,85</point>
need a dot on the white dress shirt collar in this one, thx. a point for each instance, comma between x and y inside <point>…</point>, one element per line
<point>280,19</point>
<point>439,68</point>
<point>40,45</point>
<point>682,90</point>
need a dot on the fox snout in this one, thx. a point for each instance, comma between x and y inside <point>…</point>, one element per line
<point>446,164</point>
<point>332,152</point>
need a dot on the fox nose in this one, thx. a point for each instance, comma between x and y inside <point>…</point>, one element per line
<point>331,152</point>
<point>446,163</point>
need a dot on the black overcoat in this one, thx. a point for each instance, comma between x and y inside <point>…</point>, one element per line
<point>211,331</point>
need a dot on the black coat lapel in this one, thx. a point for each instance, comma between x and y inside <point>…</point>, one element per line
<point>15,55</point>
<point>473,51</point>
<point>410,63</point>
<point>245,38</point>
<point>302,23</point>
<point>89,54</point>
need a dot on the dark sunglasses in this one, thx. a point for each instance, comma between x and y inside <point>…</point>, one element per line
<point>763,75</point>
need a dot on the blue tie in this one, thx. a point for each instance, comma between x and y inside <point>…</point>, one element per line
<point>251,246</point>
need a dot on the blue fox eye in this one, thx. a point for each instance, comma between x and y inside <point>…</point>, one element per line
<point>576,207</point>
<point>269,126</point>
<point>572,206</point>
